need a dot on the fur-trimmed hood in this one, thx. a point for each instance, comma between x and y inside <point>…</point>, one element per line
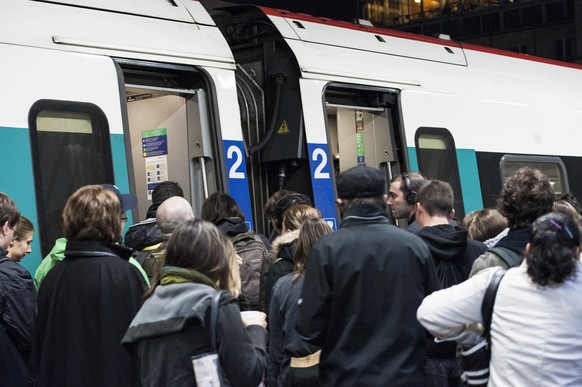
<point>283,240</point>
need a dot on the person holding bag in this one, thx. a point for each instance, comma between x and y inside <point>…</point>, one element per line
<point>172,330</point>
<point>535,335</point>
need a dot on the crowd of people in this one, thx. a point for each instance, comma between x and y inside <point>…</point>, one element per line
<point>186,297</point>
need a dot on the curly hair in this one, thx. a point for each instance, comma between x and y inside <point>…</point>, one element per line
<point>551,257</point>
<point>525,196</point>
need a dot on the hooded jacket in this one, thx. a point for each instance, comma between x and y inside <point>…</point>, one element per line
<point>172,326</point>
<point>449,243</point>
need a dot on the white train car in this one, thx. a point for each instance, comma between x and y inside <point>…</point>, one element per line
<point>124,92</point>
<point>355,94</point>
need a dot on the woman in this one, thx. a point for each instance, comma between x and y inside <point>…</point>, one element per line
<point>284,246</point>
<point>87,301</point>
<point>535,335</point>
<point>20,245</point>
<point>172,325</point>
<point>17,304</point>
<point>284,341</point>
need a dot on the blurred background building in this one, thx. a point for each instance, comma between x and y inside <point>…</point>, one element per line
<point>546,28</point>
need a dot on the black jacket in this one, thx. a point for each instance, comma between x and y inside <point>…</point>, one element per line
<point>363,285</point>
<point>172,326</point>
<point>17,321</point>
<point>449,243</point>
<point>85,305</point>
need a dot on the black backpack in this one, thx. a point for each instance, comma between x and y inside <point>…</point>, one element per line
<point>448,274</point>
<point>250,247</point>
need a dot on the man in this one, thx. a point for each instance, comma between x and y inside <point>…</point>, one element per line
<point>146,235</point>
<point>17,304</point>
<point>525,196</point>
<point>362,287</point>
<point>452,253</point>
<point>170,214</point>
<point>402,197</point>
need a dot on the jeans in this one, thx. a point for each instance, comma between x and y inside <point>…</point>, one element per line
<point>442,372</point>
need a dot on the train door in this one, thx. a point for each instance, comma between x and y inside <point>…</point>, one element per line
<point>168,131</point>
<point>357,127</point>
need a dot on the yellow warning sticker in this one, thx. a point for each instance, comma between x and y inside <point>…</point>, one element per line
<point>283,128</point>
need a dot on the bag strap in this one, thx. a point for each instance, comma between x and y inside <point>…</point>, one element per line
<point>214,319</point>
<point>510,257</point>
<point>489,301</point>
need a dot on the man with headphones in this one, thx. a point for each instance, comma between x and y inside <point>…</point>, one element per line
<point>402,197</point>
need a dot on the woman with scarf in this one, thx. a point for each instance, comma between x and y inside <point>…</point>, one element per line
<point>173,324</point>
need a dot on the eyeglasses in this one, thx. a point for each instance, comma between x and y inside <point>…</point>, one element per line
<point>124,218</point>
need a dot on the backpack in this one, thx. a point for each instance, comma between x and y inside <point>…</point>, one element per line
<point>448,274</point>
<point>250,247</point>
<point>510,257</point>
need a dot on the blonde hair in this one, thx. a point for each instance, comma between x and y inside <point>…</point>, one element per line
<point>295,216</point>
<point>310,232</point>
<point>93,213</point>
<point>485,224</point>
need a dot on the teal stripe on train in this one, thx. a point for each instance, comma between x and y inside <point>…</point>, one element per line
<point>470,183</point>
<point>17,181</point>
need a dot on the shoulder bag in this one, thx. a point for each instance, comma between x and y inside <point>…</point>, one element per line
<point>474,360</point>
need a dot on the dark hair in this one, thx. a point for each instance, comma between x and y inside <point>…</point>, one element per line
<point>270,204</point>
<point>166,190</point>
<point>287,202</point>
<point>8,211</point>
<point>310,232</point>
<point>437,198</point>
<point>220,206</point>
<point>484,224</point>
<point>570,198</point>
<point>525,196</point>
<point>551,258</point>
<point>22,228</point>
<point>199,245</point>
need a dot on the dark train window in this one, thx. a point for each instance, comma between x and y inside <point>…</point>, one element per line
<point>70,148</point>
<point>552,167</point>
<point>437,159</point>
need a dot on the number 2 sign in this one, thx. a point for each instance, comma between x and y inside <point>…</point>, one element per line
<point>321,181</point>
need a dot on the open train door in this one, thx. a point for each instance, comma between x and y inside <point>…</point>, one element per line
<point>353,125</point>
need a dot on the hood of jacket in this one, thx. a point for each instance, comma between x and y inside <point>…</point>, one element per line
<point>232,226</point>
<point>168,310</point>
<point>444,241</point>
<point>284,241</point>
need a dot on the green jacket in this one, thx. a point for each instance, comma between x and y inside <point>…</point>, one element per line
<point>57,254</point>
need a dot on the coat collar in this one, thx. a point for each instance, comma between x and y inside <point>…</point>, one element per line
<point>82,249</point>
<point>362,214</point>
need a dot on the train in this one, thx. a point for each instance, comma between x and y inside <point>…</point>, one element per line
<point>249,100</point>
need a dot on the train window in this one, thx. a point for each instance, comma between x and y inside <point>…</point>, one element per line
<point>70,148</point>
<point>552,167</point>
<point>437,159</point>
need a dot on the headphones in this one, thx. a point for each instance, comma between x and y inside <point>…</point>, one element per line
<point>411,195</point>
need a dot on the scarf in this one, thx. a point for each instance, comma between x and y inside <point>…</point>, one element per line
<point>180,275</point>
